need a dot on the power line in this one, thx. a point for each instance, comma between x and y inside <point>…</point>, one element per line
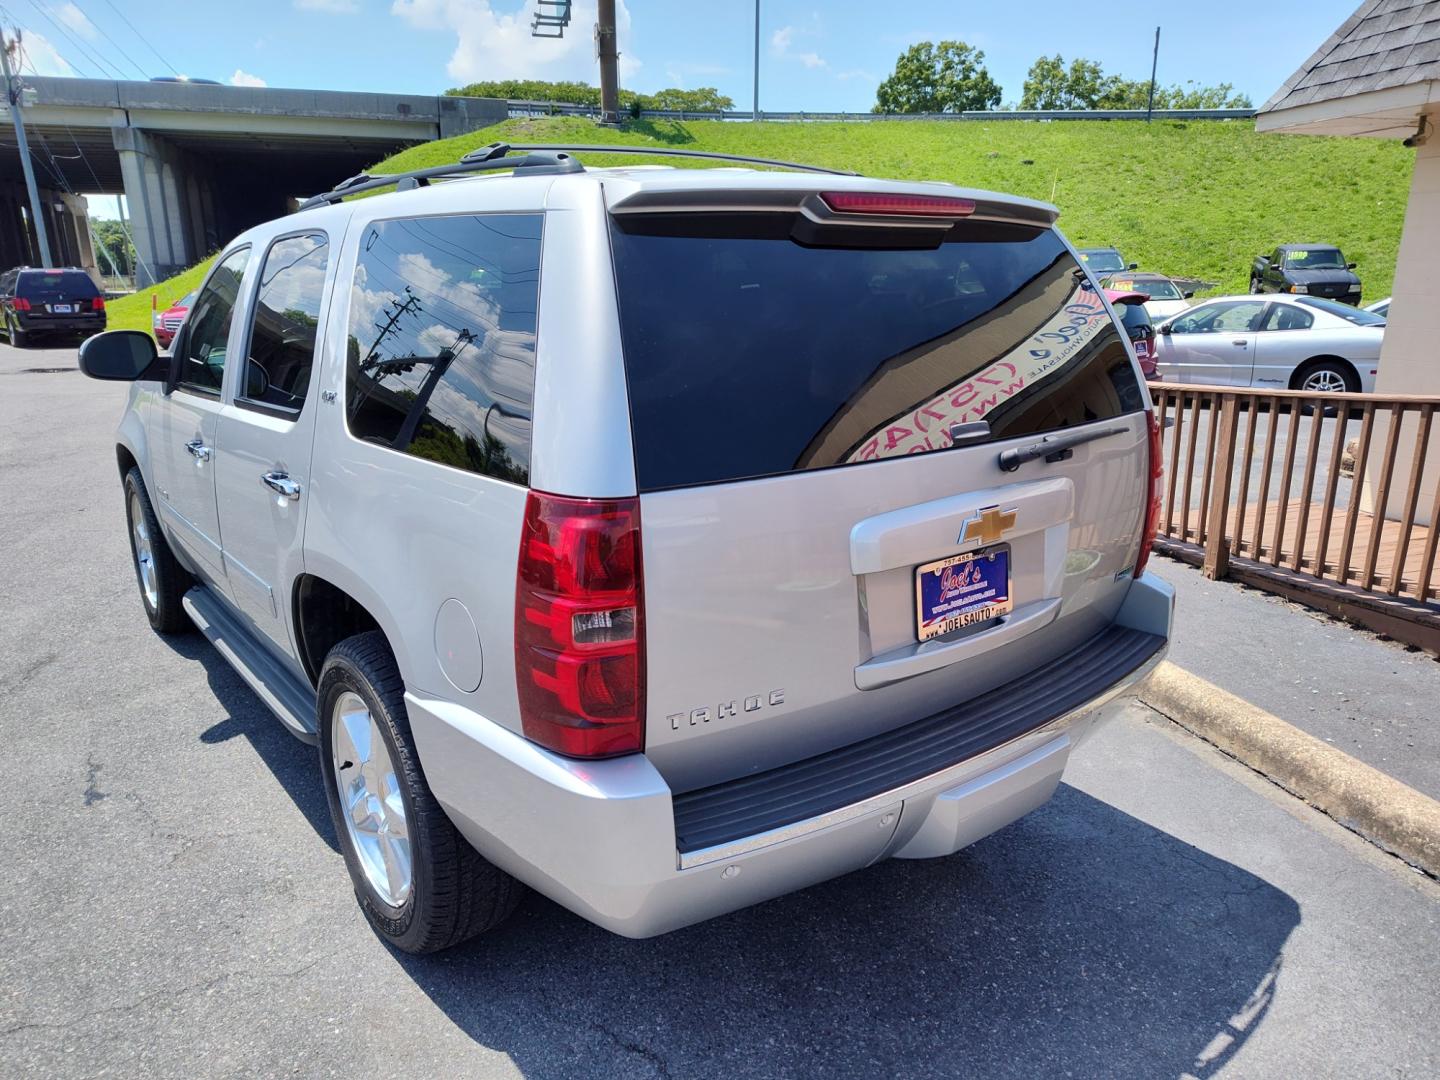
<point>21,30</point>
<point>75,4</point>
<point>142,37</point>
<point>106,70</point>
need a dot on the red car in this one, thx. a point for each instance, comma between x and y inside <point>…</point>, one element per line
<point>1130,306</point>
<point>168,321</point>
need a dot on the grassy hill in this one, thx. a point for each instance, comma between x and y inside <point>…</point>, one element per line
<point>133,312</point>
<point>1195,199</point>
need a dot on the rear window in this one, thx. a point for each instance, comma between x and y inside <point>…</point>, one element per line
<point>1358,316</point>
<point>1134,316</point>
<point>748,354</point>
<point>56,284</point>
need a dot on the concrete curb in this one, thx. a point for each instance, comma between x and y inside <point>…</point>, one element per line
<point>1365,800</point>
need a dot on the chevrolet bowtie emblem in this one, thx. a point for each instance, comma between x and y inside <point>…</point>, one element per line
<point>986,526</point>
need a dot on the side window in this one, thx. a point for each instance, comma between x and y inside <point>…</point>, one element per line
<point>202,361</point>
<point>441,346</point>
<point>287,315</point>
<point>1286,317</point>
<point>1235,318</point>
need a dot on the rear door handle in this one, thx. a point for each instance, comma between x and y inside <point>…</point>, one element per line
<point>282,485</point>
<point>198,450</point>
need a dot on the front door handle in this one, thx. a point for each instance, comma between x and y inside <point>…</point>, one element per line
<point>282,485</point>
<point>198,450</point>
<point>1240,344</point>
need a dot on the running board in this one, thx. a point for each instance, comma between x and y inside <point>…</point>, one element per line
<point>288,698</point>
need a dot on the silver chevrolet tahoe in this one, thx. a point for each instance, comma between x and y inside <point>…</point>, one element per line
<point>663,539</point>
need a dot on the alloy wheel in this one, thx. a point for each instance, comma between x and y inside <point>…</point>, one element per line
<point>371,800</point>
<point>144,553</point>
<point>1324,381</point>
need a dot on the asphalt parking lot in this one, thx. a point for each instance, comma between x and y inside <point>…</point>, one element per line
<point>176,906</point>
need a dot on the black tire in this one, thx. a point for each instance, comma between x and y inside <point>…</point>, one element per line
<point>1337,368</point>
<point>20,339</point>
<point>171,580</point>
<point>455,893</point>
<point>1254,285</point>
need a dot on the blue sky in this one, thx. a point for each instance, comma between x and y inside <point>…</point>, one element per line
<point>813,55</point>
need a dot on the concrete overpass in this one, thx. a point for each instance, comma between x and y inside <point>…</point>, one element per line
<point>200,163</point>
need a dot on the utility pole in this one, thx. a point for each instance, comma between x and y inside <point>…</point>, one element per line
<point>13,94</point>
<point>1154,63</point>
<point>605,49</point>
<point>755,97</point>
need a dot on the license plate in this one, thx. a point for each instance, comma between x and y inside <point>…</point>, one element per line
<point>962,590</point>
<point>62,309</point>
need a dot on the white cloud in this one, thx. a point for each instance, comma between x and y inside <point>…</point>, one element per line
<point>329,7</point>
<point>38,57</point>
<point>491,45</point>
<point>76,20</point>
<point>782,45</point>
<point>244,78</point>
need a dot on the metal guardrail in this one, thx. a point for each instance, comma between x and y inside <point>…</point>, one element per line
<point>559,108</point>
<point>1256,488</point>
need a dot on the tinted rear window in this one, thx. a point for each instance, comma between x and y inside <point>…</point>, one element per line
<point>1133,316</point>
<point>748,354</point>
<point>62,284</point>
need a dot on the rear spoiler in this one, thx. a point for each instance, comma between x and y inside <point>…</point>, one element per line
<point>682,195</point>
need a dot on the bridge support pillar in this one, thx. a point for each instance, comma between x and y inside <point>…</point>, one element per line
<point>171,211</point>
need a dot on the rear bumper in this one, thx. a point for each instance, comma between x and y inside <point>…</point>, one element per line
<point>61,324</point>
<point>610,841</point>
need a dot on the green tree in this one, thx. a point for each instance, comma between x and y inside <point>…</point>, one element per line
<point>111,236</point>
<point>1050,85</point>
<point>930,78</point>
<point>1135,94</point>
<point>701,99</point>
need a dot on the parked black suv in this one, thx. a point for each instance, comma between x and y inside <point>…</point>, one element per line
<point>1307,269</point>
<point>40,302</point>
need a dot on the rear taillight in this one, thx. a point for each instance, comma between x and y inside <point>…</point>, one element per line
<point>97,304</point>
<point>21,304</point>
<point>868,202</point>
<point>580,625</point>
<point>1152,496</point>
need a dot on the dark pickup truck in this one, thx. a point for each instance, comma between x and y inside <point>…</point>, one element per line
<point>1316,269</point>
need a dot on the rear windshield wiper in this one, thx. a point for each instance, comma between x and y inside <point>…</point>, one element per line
<point>1054,447</point>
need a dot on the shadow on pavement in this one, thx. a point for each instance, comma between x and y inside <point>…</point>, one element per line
<point>291,761</point>
<point>1079,941</point>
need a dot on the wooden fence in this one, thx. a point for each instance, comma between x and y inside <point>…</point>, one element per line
<point>1257,487</point>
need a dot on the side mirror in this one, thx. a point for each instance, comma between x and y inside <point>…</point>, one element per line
<point>1166,329</point>
<point>1189,295</point>
<point>1133,266</point>
<point>1349,266</point>
<point>123,356</point>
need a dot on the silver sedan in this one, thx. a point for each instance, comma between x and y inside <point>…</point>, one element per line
<point>1273,342</point>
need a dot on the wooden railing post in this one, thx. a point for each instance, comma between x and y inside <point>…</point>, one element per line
<point>1217,544</point>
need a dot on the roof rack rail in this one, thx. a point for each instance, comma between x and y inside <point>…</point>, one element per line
<point>485,152</point>
<point>487,159</point>
<point>540,159</point>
